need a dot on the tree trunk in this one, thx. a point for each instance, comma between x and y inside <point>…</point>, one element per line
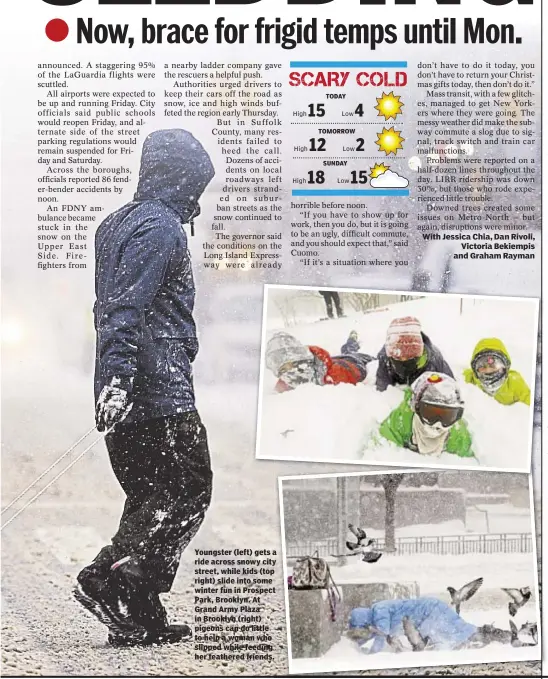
<point>390,484</point>
<point>390,518</point>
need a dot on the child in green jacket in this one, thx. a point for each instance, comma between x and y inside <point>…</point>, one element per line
<point>429,419</point>
<point>490,371</point>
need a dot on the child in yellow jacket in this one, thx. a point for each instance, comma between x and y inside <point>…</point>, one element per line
<point>490,370</point>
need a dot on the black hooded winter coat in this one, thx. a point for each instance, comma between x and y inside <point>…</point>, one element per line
<point>146,335</point>
<point>386,375</point>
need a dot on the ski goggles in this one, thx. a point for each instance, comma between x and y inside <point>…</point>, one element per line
<point>297,372</point>
<point>432,413</point>
<point>489,364</point>
<point>294,365</point>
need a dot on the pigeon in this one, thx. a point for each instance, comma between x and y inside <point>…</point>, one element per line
<point>464,593</point>
<point>489,633</point>
<point>357,547</point>
<point>393,642</point>
<point>519,598</point>
<point>531,630</point>
<point>514,630</point>
<point>363,547</point>
<point>417,641</point>
<point>361,537</point>
<point>371,556</point>
<point>516,641</point>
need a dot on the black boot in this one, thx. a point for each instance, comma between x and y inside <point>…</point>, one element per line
<point>145,608</point>
<point>100,595</point>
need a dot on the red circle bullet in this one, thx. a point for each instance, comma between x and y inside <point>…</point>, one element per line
<point>57,30</point>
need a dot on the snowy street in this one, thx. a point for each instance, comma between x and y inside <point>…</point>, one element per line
<point>44,630</point>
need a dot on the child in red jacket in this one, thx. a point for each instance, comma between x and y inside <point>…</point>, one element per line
<point>294,363</point>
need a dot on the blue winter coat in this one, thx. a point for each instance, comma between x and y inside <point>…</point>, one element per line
<point>434,362</point>
<point>432,618</point>
<point>144,286</point>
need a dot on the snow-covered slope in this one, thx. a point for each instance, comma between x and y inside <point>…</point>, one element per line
<point>335,423</point>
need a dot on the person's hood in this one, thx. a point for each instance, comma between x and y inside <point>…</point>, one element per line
<point>283,348</point>
<point>360,617</point>
<point>175,168</point>
<point>491,344</point>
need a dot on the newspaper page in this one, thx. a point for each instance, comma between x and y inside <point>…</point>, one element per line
<point>270,336</point>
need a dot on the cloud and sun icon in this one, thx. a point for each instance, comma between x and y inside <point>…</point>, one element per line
<point>382,177</point>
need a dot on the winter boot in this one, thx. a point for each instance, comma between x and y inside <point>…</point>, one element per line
<point>145,608</point>
<point>99,594</point>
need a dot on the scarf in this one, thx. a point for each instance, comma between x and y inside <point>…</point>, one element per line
<point>429,439</point>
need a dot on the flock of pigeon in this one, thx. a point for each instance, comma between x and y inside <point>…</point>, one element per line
<point>519,597</point>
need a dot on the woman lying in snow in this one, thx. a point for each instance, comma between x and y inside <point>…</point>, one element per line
<point>429,419</point>
<point>427,623</point>
<point>294,363</point>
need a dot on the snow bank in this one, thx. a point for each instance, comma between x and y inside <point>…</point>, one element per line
<point>336,423</point>
<point>346,655</point>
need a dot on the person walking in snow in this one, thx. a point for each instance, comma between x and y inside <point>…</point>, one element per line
<point>490,371</point>
<point>429,419</point>
<point>332,298</point>
<point>428,623</point>
<point>293,363</point>
<point>406,354</point>
<point>146,343</point>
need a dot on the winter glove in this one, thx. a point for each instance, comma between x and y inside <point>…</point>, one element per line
<point>113,404</point>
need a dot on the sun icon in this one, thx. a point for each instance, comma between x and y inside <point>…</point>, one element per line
<point>389,106</point>
<point>378,169</point>
<point>389,141</point>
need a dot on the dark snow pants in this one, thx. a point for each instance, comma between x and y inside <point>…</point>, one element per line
<point>164,468</point>
<point>329,297</point>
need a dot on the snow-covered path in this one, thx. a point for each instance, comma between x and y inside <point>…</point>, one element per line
<point>345,656</point>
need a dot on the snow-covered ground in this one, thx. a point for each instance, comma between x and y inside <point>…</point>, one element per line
<point>336,424</point>
<point>346,656</point>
